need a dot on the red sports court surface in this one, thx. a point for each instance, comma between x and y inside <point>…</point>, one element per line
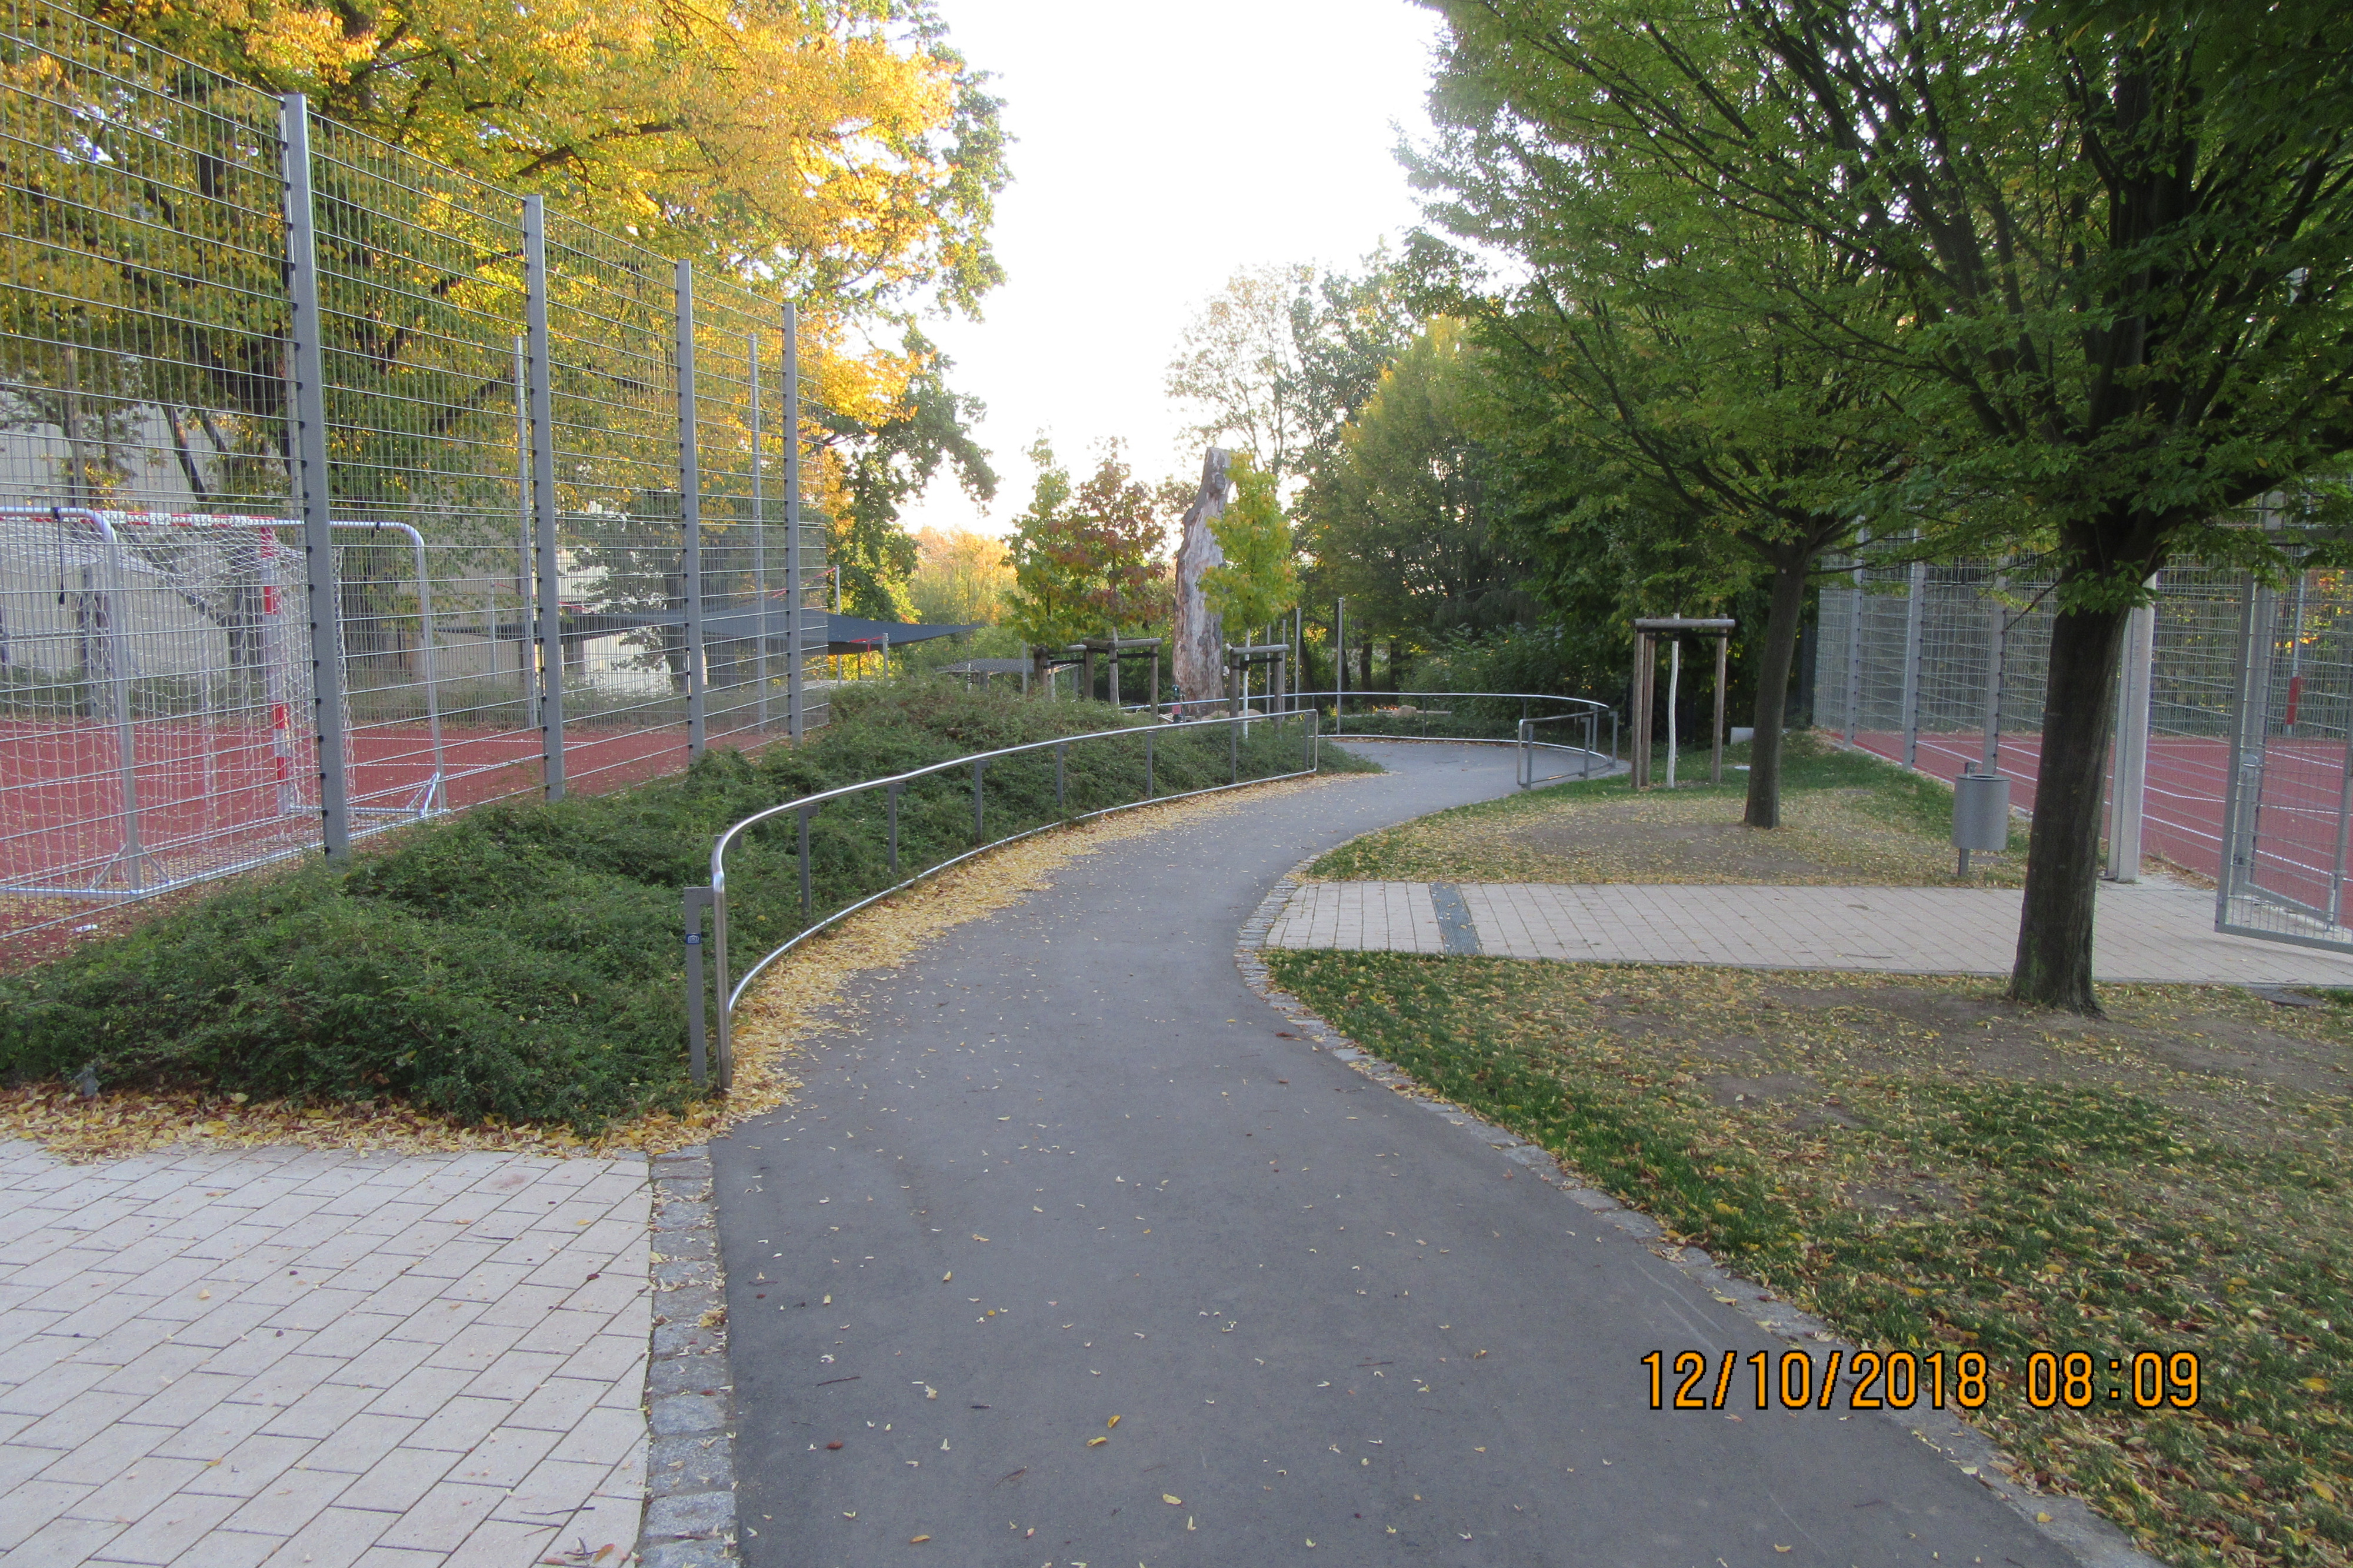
<point>2301,831</point>
<point>216,795</point>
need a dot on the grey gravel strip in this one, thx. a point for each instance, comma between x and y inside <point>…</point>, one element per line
<point>2067,1521</point>
<point>1455,928</point>
<point>689,1521</point>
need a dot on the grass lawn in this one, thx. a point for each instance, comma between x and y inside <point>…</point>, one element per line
<point>1930,1167</point>
<point>1847,819</point>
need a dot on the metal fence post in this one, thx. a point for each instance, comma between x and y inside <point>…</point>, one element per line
<point>1853,657</point>
<point>759,531</point>
<point>543,499</point>
<point>2243,797</point>
<point>1061,757</point>
<point>1915,619</point>
<point>1234,747</point>
<point>1149,788</point>
<point>894,793</point>
<point>1996,637</point>
<point>697,901</point>
<point>980,818</point>
<point>525,647</point>
<point>2129,792</point>
<point>794,660</point>
<point>690,509</point>
<point>322,596</point>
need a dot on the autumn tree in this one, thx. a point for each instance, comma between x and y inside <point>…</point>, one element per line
<point>841,150</point>
<point>1087,559</point>
<point>960,577</point>
<point>2122,231</point>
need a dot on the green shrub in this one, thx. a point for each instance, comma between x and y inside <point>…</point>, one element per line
<point>524,960</point>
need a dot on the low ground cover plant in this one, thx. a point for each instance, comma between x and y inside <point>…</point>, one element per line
<point>1930,1167</point>
<point>523,961</point>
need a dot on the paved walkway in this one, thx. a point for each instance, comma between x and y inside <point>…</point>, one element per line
<point>1072,1252</point>
<point>283,1357</point>
<point>2140,933</point>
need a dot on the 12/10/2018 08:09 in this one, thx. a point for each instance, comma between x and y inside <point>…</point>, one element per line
<point>1897,1379</point>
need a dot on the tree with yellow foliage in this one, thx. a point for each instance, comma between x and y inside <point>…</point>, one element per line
<point>840,149</point>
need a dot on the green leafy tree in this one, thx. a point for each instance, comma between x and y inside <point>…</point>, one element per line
<point>1665,438</point>
<point>2122,231</point>
<point>1399,521</point>
<point>1258,581</point>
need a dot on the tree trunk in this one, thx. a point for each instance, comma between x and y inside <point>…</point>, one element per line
<point>1201,631</point>
<point>1788,608</point>
<point>1365,666</point>
<point>2062,853</point>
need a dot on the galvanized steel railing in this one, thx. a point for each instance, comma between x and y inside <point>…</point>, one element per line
<point>728,990</point>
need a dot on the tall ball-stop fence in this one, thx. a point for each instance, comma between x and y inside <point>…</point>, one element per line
<point>2233,756</point>
<point>339,488</point>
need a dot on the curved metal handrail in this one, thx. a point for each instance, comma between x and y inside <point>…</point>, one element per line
<point>715,895</point>
<point>1583,710</point>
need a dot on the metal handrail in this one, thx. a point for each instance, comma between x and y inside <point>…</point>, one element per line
<point>1584,710</point>
<point>714,896</point>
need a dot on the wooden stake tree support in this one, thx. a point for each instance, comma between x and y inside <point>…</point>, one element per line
<point>1240,659</point>
<point>1118,650</point>
<point>1647,634</point>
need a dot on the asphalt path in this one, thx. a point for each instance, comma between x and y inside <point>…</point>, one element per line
<point>1068,1255</point>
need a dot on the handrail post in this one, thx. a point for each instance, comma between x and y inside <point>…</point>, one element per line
<point>1234,748</point>
<point>808,903</point>
<point>893,792</point>
<point>1150,790</point>
<point>980,815</point>
<point>1061,755</point>
<point>698,1067</point>
<point>719,964</point>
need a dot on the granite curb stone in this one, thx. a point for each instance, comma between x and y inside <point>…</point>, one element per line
<point>690,1520</point>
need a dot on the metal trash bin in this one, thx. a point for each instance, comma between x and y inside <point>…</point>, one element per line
<point>1980,815</point>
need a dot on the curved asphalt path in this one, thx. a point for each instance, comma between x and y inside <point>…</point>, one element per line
<point>1322,1315</point>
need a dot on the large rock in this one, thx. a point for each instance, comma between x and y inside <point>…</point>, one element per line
<point>1200,656</point>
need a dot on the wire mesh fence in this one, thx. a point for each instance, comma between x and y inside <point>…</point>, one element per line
<point>2291,763</point>
<point>557,518</point>
<point>1942,666</point>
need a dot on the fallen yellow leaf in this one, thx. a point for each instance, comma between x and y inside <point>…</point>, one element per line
<point>1097,1442</point>
<point>1172,1502</point>
<point>919,1540</point>
<point>1112,1421</point>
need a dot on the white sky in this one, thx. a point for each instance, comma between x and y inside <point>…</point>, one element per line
<point>1158,148</point>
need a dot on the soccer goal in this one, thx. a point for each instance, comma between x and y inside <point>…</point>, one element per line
<point>156,724</point>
